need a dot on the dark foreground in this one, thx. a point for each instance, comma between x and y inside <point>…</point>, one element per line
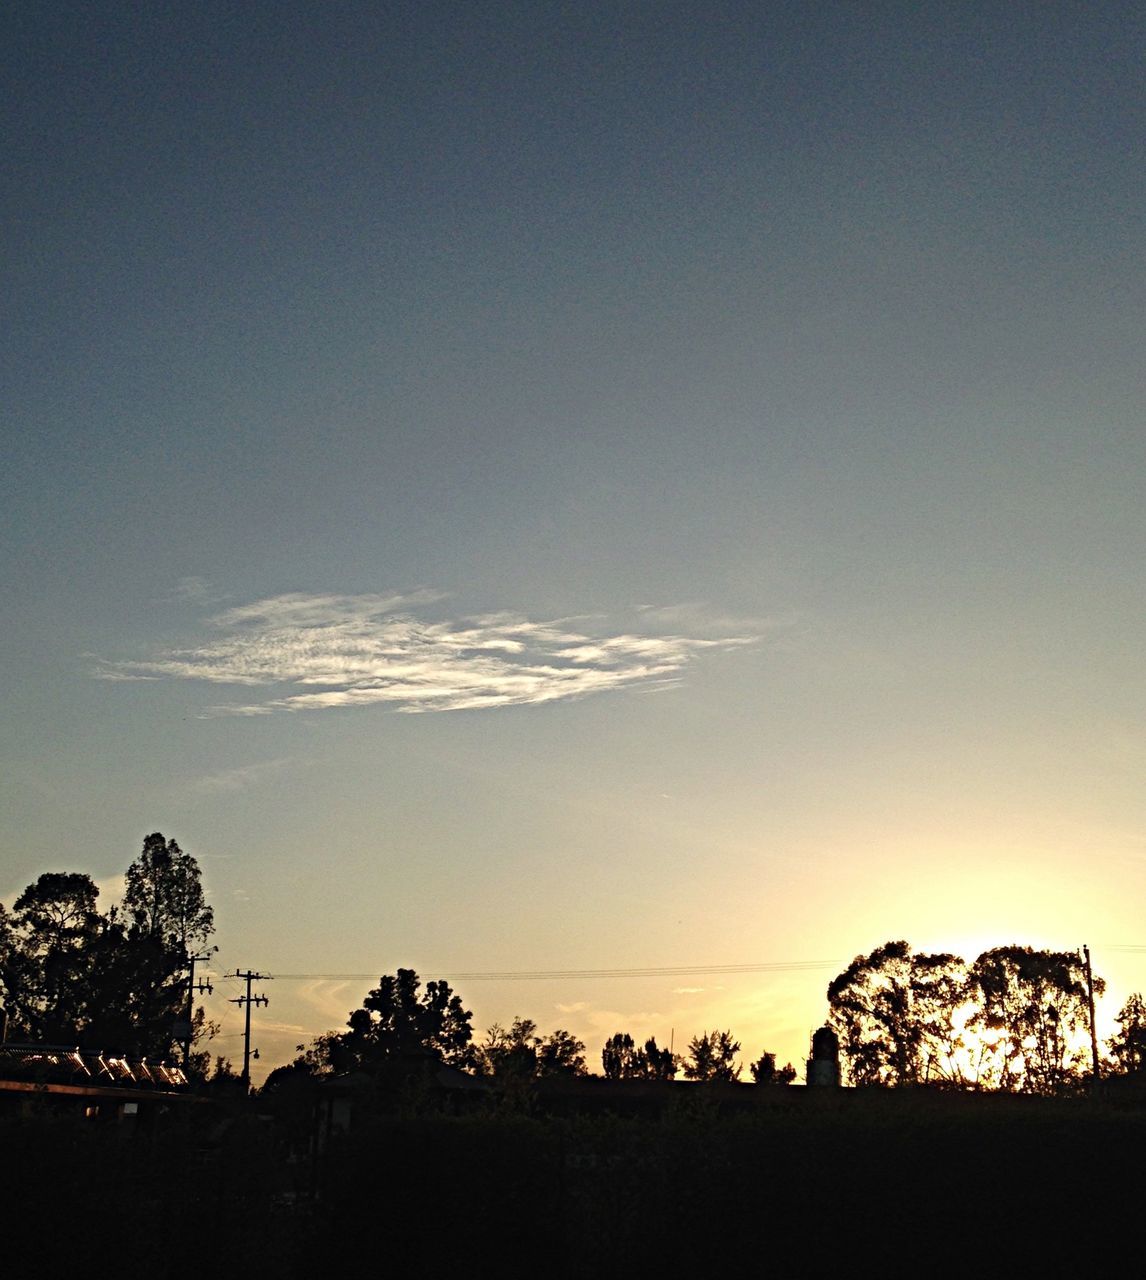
<point>860,1184</point>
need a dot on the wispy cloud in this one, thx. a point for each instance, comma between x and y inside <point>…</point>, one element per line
<point>315,652</point>
<point>232,781</point>
<point>194,590</point>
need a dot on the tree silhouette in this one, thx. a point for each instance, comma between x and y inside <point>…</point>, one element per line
<point>113,981</point>
<point>620,1057</point>
<point>895,1013</point>
<point>47,975</point>
<point>397,1021</point>
<point>1031,1006</point>
<point>661,1064</point>
<point>561,1054</point>
<point>164,896</point>
<point>509,1053</point>
<point>1128,1045</point>
<point>518,1053</point>
<point>710,1057</point>
<point>765,1071</point>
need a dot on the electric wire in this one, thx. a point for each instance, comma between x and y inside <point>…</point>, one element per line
<point>549,975</point>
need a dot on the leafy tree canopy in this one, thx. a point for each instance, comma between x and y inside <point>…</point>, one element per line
<point>711,1057</point>
<point>765,1071</point>
<point>164,896</point>
<point>518,1053</point>
<point>112,981</point>
<point>1032,1007</point>
<point>1128,1045</point>
<point>895,1013</point>
<point>622,1059</point>
<point>397,1023</point>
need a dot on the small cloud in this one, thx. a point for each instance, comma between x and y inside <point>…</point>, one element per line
<point>267,1027</point>
<point>193,590</point>
<point>323,652</point>
<point>576,1007</point>
<point>688,991</point>
<point>232,781</point>
<point>217,712</point>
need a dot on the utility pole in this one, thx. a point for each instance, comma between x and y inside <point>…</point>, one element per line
<point>193,988</point>
<point>1090,1005</point>
<point>247,1001</point>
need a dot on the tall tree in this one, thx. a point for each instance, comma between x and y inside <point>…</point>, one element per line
<point>47,974</point>
<point>661,1063</point>
<point>1032,1007</point>
<point>561,1054</point>
<point>711,1057</point>
<point>1128,1045</point>
<point>7,944</point>
<point>399,1021</point>
<point>109,981</point>
<point>895,1012</point>
<point>622,1059</point>
<point>164,896</point>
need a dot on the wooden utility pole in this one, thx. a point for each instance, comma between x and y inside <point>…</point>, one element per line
<point>1090,1006</point>
<point>247,1001</point>
<point>193,988</point>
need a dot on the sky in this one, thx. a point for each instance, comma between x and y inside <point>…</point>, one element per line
<point>522,488</point>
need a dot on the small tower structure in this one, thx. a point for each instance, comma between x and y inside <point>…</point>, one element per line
<point>824,1064</point>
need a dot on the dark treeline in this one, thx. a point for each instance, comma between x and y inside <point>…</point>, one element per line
<point>113,981</point>
<point>463,1153</point>
<point>400,1028</point>
<point>1017,1019</point>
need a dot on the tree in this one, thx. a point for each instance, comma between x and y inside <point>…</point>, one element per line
<point>765,1071</point>
<point>509,1053</point>
<point>561,1054</point>
<point>622,1059</point>
<point>518,1054</point>
<point>710,1057</point>
<point>1032,1010</point>
<point>399,1023</point>
<point>661,1063</point>
<point>166,918</point>
<point>47,974</point>
<point>109,981</point>
<point>7,950</point>
<point>895,1012</point>
<point>1128,1045</point>
<point>164,896</point>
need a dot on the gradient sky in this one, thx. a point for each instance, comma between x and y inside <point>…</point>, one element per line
<point>549,486</point>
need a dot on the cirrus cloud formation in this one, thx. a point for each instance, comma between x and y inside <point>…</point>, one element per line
<point>311,652</point>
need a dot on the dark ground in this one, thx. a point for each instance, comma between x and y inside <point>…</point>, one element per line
<point>897,1184</point>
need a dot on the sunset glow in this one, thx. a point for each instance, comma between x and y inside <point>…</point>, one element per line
<point>537,490</point>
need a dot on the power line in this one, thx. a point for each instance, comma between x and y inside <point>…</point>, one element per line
<point>633,971</point>
<point>544,975</point>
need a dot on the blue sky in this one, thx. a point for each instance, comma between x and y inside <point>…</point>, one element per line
<point>554,486</point>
